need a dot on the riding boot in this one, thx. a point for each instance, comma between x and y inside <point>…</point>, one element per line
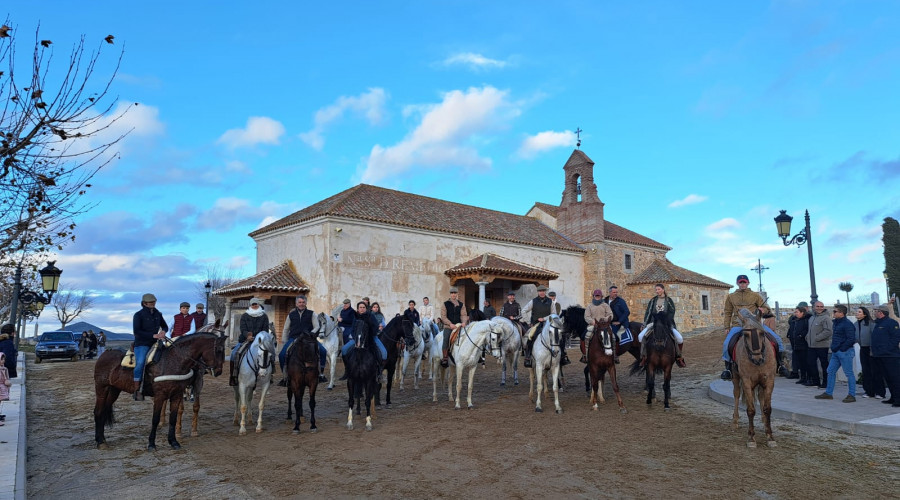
<point>643,354</point>
<point>779,359</point>
<point>322,375</point>
<point>527,362</point>
<point>583,353</point>
<point>445,360</point>
<point>281,383</point>
<point>678,358</point>
<point>726,375</point>
<point>565,357</point>
<point>138,396</point>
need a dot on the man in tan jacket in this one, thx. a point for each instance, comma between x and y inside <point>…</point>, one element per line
<point>595,311</point>
<point>742,298</point>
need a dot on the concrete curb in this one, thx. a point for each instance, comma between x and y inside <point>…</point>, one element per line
<point>876,422</point>
<point>22,450</point>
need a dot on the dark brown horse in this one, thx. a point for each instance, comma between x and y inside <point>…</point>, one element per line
<point>303,373</point>
<point>601,362</point>
<point>195,387</point>
<point>754,375</point>
<point>660,358</point>
<point>165,380</point>
<point>392,336</point>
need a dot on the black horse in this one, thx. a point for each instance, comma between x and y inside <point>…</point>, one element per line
<point>361,365</point>
<point>393,335</point>
<point>302,373</point>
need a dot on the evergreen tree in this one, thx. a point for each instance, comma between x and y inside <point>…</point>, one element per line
<point>891,241</point>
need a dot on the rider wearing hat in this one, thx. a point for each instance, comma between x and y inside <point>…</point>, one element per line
<point>199,317</point>
<point>511,309</point>
<point>595,311</point>
<point>148,327</point>
<point>745,298</point>
<point>182,323</point>
<point>538,310</point>
<point>300,321</point>
<point>454,315</point>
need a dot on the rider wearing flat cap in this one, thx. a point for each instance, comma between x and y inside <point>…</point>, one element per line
<point>454,315</point>
<point>538,310</point>
<point>148,327</point>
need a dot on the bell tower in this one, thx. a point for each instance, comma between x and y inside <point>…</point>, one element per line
<point>581,211</point>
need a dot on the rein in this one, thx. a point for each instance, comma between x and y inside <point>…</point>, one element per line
<point>555,336</point>
<point>181,357</point>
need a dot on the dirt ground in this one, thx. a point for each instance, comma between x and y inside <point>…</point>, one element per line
<point>419,449</point>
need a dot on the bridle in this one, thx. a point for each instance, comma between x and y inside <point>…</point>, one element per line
<point>754,344</point>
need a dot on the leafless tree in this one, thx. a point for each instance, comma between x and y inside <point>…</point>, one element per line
<point>217,277</point>
<point>56,132</point>
<point>69,304</point>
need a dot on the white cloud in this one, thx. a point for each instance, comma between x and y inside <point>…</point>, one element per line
<point>369,105</point>
<point>259,130</point>
<point>442,138</point>
<point>226,212</point>
<point>474,61</point>
<point>542,141</point>
<point>856,255</point>
<point>690,199</point>
<point>726,223</point>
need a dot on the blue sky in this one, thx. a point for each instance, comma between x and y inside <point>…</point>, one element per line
<point>703,118</point>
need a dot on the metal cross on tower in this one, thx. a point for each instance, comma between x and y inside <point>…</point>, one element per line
<point>759,270</point>
<point>578,132</point>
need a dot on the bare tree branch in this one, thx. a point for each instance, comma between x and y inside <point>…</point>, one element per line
<point>69,304</point>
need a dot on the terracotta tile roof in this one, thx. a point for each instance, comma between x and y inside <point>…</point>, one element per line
<point>551,210</point>
<point>616,232</point>
<point>489,263</point>
<point>281,278</point>
<point>663,271</point>
<point>371,203</point>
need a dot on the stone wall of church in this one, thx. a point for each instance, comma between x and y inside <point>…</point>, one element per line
<point>350,259</point>
<point>690,313</point>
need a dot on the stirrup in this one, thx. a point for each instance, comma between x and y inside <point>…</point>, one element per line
<point>445,362</point>
<point>680,362</point>
<point>583,358</point>
<point>527,363</point>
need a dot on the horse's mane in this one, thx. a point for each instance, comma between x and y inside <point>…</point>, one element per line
<point>574,319</point>
<point>184,339</point>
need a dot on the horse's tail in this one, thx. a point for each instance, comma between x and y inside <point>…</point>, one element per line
<point>636,368</point>
<point>103,413</point>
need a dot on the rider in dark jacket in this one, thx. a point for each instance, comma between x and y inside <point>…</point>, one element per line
<point>148,327</point>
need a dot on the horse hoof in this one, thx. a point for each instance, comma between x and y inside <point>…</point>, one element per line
<point>102,446</point>
<point>151,447</point>
<point>242,432</point>
<point>368,427</point>
<point>258,430</point>
<point>349,427</point>
<point>623,410</point>
<point>502,384</point>
<point>538,410</point>
<point>772,444</point>
<point>667,409</point>
<point>329,388</point>
<point>313,430</point>
<point>388,406</point>
<point>559,411</point>
<point>516,383</point>
<point>176,446</point>
<point>751,444</point>
<point>295,431</point>
<point>471,407</point>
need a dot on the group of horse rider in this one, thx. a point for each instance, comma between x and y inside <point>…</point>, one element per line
<point>149,328</point>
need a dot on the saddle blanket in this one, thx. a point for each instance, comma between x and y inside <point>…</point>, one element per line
<point>129,362</point>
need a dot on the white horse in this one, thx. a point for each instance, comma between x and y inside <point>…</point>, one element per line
<point>509,349</point>
<point>258,363</point>
<point>546,355</point>
<point>466,353</point>
<point>439,374</point>
<point>329,336</point>
<point>429,331</point>
<point>416,354</point>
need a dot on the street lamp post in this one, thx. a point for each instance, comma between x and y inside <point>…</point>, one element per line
<point>783,223</point>
<point>208,288</point>
<point>33,300</point>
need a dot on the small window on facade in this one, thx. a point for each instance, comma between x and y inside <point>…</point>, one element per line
<point>628,258</point>
<point>704,299</point>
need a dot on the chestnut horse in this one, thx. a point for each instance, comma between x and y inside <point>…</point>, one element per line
<point>601,362</point>
<point>165,380</point>
<point>660,358</point>
<point>754,375</point>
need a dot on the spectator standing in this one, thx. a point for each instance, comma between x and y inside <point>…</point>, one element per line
<point>797,330</point>
<point>8,347</point>
<point>872,378</point>
<point>101,343</point>
<point>842,354</point>
<point>819,339</point>
<point>489,311</point>
<point>886,351</point>
<point>4,385</point>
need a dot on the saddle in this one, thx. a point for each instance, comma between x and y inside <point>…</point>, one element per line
<point>454,335</point>
<point>152,356</point>
<point>235,363</point>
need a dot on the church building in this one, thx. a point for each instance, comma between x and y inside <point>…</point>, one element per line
<point>394,246</point>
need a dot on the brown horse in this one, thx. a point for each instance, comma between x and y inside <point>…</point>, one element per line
<point>165,380</point>
<point>195,387</point>
<point>303,372</point>
<point>754,375</point>
<point>660,358</point>
<point>600,363</point>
